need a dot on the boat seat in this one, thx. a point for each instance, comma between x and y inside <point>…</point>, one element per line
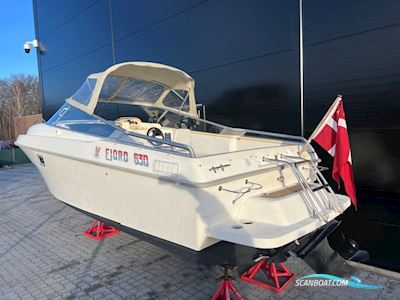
<point>202,144</point>
<point>135,124</point>
<point>182,136</point>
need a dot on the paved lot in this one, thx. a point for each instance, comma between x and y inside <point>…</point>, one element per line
<point>44,255</point>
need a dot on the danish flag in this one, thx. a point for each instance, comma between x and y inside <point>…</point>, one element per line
<point>332,135</point>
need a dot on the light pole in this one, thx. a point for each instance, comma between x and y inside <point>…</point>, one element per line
<point>301,67</point>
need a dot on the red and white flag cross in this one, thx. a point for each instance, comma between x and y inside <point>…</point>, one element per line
<point>332,135</point>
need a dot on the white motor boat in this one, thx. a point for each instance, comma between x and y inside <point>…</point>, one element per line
<point>129,148</point>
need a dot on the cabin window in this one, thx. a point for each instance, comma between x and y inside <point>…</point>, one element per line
<point>139,90</point>
<point>177,99</point>
<point>85,91</point>
<point>110,86</point>
<point>112,111</point>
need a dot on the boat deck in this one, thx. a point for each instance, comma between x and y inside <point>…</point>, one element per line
<point>44,255</point>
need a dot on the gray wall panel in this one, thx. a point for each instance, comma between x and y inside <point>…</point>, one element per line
<point>53,14</point>
<point>131,17</point>
<point>86,32</point>
<point>61,82</point>
<point>249,95</point>
<point>326,20</point>
<point>247,46</point>
<point>353,48</point>
<point>209,35</point>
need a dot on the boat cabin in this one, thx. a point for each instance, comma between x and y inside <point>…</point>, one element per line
<point>154,105</point>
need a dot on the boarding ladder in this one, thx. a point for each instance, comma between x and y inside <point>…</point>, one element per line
<point>317,195</point>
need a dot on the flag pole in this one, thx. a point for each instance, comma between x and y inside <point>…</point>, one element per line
<point>338,98</point>
<point>301,64</point>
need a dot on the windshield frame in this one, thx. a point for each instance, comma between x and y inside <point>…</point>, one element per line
<point>227,130</point>
<point>190,152</point>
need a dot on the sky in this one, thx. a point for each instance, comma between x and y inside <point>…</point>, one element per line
<point>16,27</point>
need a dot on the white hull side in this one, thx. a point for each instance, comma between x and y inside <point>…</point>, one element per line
<point>157,207</point>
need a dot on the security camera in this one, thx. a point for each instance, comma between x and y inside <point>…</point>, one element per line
<point>27,48</point>
<point>27,45</point>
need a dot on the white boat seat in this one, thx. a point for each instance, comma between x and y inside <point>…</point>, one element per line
<point>134,124</point>
<point>202,144</point>
<point>182,136</point>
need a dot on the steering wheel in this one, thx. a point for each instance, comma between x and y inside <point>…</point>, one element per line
<point>155,133</point>
<point>188,123</point>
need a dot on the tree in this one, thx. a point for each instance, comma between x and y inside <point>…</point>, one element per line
<point>19,96</point>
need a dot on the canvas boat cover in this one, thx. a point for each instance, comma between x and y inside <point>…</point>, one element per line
<point>144,83</point>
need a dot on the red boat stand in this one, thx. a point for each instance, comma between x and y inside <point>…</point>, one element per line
<point>273,273</point>
<point>226,287</point>
<point>98,230</point>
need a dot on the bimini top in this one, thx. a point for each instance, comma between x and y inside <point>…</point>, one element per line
<point>144,83</point>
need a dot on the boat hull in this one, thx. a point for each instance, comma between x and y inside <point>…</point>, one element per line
<point>162,208</point>
<point>227,253</point>
<point>190,202</point>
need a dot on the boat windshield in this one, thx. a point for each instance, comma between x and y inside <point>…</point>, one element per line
<point>85,91</point>
<point>69,117</point>
<point>72,118</point>
<point>124,89</point>
<point>112,111</point>
<point>164,117</point>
